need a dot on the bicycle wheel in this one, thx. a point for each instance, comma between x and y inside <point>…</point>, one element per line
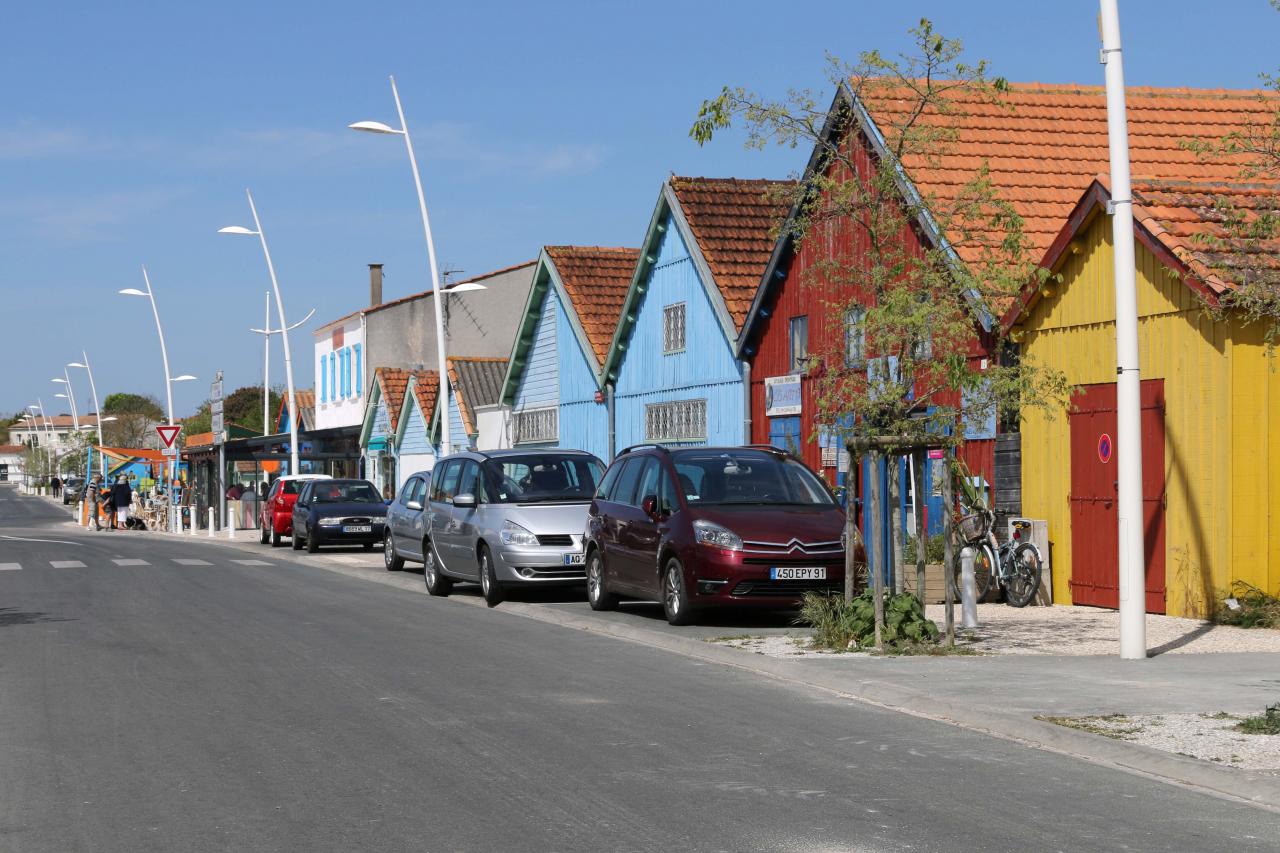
<point>984,566</point>
<point>1024,576</point>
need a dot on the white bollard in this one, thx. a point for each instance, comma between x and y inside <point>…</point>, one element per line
<point>212,523</point>
<point>231,529</point>
<point>80,514</point>
<point>968,590</point>
<point>191,517</point>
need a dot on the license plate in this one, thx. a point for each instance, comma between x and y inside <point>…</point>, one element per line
<point>790,573</point>
<point>575,559</point>
<point>358,528</point>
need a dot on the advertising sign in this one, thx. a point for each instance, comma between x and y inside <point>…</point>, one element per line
<point>782,396</point>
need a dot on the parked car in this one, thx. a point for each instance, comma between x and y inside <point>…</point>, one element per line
<point>338,512</point>
<point>711,527</point>
<point>499,518</point>
<point>275,515</point>
<point>72,489</point>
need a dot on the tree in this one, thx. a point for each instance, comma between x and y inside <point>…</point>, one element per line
<point>135,416</point>
<point>242,407</point>
<point>924,280</point>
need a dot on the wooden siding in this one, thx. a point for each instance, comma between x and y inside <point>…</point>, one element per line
<point>1221,397</point>
<point>539,385</point>
<point>458,437</point>
<point>705,368</point>
<point>415,441</point>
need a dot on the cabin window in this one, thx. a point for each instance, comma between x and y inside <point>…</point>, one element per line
<point>533,425</point>
<point>855,337</point>
<point>673,328</point>
<point>681,420</point>
<point>799,344</point>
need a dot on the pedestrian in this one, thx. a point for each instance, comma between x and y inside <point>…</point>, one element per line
<point>92,495</point>
<point>122,497</point>
<point>109,505</point>
<point>56,485</point>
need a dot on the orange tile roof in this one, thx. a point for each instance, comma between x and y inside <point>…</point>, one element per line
<point>1043,142</point>
<point>735,222</point>
<point>425,391</point>
<point>134,453</point>
<point>596,279</point>
<point>392,382</point>
<point>11,449</point>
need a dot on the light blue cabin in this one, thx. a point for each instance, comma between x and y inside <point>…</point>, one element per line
<point>552,384</point>
<point>415,449</point>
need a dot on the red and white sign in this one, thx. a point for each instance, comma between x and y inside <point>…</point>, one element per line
<point>168,433</point>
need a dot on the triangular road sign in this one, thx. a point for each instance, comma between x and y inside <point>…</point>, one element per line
<point>168,433</point>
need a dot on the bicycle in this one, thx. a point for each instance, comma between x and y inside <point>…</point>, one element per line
<point>1015,565</point>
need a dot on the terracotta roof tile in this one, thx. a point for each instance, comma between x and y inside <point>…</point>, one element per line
<point>426,389</point>
<point>1043,142</point>
<point>392,382</point>
<point>735,223</point>
<point>596,279</point>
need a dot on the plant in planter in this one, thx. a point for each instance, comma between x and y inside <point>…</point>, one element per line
<point>843,626</point>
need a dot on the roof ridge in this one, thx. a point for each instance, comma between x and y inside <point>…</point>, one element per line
<point>1031,86</point>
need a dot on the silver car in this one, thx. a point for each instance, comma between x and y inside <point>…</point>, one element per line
<point>505,518</point>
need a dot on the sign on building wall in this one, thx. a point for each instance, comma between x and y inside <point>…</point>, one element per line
<point>782,395</point>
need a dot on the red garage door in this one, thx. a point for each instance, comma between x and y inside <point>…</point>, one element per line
<point>1095,537</point>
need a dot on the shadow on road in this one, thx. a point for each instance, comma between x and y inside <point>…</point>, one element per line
<point>13,616</point>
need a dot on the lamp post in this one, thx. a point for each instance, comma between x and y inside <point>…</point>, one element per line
<point>266,331</point>
<point>164,357</point>
<point>97,409</point>
<point>47,430</point>
<point>284,328</point>
<point>403,130</point>
<point>70,396</point>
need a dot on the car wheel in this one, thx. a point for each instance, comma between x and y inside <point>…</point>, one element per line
<point>266,536</point>
<point>389,558</point>
<point>675,599</point>
<point>437,584</point>
<point>598,595</point>
<point>489,584</point>
<point>275,539</point>
<point>312,544</point>
<point>295,542</point>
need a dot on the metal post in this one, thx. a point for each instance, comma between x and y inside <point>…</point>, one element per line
<point>850,528</point>
<point>266,369</point>
<point>922,532</point>
<point>895,524</point>
<point>1128,452</point>
<point>222,483</point>
<point>877,543</point>
<point>968,589</point>
<point>948,549</point>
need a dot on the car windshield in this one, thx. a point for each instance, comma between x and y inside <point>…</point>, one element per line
<point>337,491</point>
<point>292,487</point>
<point>726,477</point>
<point>543,478</point>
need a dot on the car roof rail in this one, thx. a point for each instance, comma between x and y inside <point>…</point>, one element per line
<point>644,446</point>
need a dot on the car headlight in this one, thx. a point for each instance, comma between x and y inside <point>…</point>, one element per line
<point>710,533</point>
<point>329,522</point>
<point>514,534</point>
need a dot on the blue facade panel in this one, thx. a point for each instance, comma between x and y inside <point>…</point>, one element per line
<point>704,369</point>
<point>584,425</point>
<point>539,383</point>
<point>415,441</point>
<point>458,438</point>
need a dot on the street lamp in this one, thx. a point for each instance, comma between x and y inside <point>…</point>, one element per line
<point>379,127</point>
<point>164,357</point>
<point>97,409</point>
<point>71,396</point>
<point>284,328</point>
<point>266,331</point>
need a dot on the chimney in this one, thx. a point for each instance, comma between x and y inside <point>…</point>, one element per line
<point>375,285</point>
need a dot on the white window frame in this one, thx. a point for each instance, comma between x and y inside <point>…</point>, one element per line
<point>544,423</point>
<point>676,421</point>
<point>802,364</point>
<point>670,326</point>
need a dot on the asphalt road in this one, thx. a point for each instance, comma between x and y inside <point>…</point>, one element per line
<point>150,704</point>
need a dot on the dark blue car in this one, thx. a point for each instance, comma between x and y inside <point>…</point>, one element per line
<point>338,512</point>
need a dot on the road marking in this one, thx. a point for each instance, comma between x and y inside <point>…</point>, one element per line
<point>187,562</point>
<point>130,562</point>
<point>50,541</point>
<point>251,562</point>
<point>66,564</point>
<point>10,567</point>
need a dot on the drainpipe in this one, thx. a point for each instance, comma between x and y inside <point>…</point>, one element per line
<point>613,431</point>
<point>746,395</point>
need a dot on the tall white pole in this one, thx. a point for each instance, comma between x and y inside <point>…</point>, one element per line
<point>97,409</point>
<point>266,369</point>
<point>1133,629</point>
<point>71,396</point>
<point>49,439</point>
<point>164,357</point>
<point>435,274</point>
<point>284,332</point>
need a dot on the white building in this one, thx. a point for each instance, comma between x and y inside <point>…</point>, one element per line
<point>34,431</point>
<point>341,368</point>
<point>11,462</point>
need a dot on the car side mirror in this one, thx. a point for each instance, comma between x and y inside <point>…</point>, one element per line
<point>464,500</point>
<point>650,506</point>
<point>412,505</point>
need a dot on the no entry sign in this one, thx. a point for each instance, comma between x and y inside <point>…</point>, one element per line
<point>1105,448</point>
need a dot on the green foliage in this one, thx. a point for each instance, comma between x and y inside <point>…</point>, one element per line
<point>132,404</point>
<point>933,549</point>
<point>841,627</point>
<point>242,407</point>
<point>1256,608</point>
<point>1266,723</point>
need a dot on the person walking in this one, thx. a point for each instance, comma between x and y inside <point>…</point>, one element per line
<point>122,497</point>
<point>92,495</point>
<point>56,485</point>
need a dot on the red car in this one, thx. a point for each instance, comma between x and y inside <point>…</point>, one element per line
<point>710,527</point>
<point>275,517</point>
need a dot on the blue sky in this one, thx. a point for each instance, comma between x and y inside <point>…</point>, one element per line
<point>129,132</point>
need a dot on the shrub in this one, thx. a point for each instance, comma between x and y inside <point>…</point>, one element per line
<point>1266,723</point>
<point>840,626</point>
<point>1256,608</point>
<point>933,550</point>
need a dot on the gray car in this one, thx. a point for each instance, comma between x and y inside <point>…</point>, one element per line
<point>499,518</point>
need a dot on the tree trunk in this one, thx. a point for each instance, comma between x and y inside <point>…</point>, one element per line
<point>922,533</point>
<point>851,526</point>
<point>895,524</point>
<point>948,557</point>
<point>877,547</point>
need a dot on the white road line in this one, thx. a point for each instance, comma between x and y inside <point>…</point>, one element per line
<point>66,564</point>
<point>10,567</point>
<point>49,541</point>
<point>251,562</point>
<point>130,562</point>
<point>188,562</point>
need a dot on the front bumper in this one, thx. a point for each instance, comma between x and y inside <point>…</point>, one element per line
<point>540,565</point>
<point>335,536</point>
<point>715,577</point>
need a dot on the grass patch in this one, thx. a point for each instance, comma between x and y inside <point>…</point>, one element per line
<point>1266,723</point>
<point>1254,608</point>
<point>1107,725</point>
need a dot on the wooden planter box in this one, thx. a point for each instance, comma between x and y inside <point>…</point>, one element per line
<point>935,591</point>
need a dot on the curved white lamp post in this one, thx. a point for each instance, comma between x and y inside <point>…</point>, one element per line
<point>266,331</point>
<point>256,231</point>
<point>379,127</point>
<point>97,409</point>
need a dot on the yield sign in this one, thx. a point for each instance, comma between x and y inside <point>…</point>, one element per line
<point>168,433</point>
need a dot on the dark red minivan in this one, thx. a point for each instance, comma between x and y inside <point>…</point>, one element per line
<point>711,526</point>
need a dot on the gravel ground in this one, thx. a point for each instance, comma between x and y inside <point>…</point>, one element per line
<point>1208,737</point>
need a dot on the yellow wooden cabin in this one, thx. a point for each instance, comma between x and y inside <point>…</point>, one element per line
<point>1210,420</point>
